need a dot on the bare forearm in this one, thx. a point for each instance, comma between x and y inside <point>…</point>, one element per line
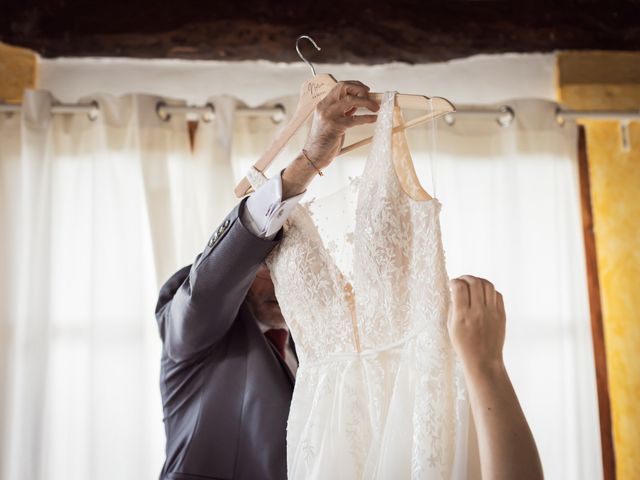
<point>507,447</point>
<point>297,176</point>
<point>476,326</point>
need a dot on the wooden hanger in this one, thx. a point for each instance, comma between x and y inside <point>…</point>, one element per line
<point>314,90</point>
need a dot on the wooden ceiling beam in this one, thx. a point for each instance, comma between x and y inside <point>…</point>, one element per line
<point>377,31</point>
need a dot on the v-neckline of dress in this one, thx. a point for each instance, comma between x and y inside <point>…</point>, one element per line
<point>347,286</point>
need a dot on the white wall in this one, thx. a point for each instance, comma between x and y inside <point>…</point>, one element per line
<point>478,79</point>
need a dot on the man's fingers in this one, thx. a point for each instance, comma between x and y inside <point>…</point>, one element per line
<point>358,82</point>
<point>345,99</point>
<point>350,103</point>
<point>359,120</point>
<point>459,294</point>
<point>352,87</point>
<point>361,93</point>
<point>476,291</point>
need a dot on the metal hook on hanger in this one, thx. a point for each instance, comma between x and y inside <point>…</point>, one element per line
<point>313,70</point>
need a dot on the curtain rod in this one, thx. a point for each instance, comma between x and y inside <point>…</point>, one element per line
<point>504,115</point>
<point>164,111</point>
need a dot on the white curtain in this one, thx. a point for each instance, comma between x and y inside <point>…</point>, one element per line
<point>511,213</point>
<point>95,215</point>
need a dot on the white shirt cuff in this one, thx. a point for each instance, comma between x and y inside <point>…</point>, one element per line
<point>266,210</point>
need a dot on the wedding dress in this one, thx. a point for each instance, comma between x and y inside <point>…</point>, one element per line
<point>379,392</point>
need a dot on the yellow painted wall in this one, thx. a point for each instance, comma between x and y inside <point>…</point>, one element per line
<point>611,80</point>
<point>18,67</point>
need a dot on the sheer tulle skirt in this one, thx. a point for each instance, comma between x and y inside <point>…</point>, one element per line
<point>392,414</point>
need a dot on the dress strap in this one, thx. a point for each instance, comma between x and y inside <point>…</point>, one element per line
<point>256,177</point>
<point>403,165</point>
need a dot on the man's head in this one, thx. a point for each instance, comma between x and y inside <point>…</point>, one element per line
<point>261,298</point>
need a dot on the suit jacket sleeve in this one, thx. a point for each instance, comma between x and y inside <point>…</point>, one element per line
<point>199,303</point>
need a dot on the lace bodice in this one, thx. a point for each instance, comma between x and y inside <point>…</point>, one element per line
<point>393,288</point>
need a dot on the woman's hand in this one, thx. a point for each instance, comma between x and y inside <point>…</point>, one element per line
<point>477,326</point>
<point>477,323</point>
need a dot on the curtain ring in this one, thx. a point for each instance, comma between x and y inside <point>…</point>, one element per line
<point>94,112</point>
<point>161,112</point>
<point>558,116</point>
<point>208,116</point>
<point>510,115</point>
<point>280,116</point>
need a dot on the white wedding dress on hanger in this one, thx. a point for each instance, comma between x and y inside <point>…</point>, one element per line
<point>379,393</point>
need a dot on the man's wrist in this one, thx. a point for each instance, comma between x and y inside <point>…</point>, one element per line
<point>317,159</point>
<point>297,176</point>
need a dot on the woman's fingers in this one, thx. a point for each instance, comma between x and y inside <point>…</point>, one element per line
<point>489,294</point>
<point>476,291</point>
<point>483,291</point>
<point>500,305</point>
<point>459,294</point>
<point>476,329</point>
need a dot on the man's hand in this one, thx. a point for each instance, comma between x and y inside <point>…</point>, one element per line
<point>477,323</point>
<point>333,115</point>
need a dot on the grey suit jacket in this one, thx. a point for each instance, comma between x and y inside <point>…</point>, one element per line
<point>225,392</point>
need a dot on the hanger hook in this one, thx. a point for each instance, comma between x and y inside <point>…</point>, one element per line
<point>313,70</point>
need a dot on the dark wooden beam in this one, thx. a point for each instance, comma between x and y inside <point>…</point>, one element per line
<point>370,32</point>
<point>595,306</point>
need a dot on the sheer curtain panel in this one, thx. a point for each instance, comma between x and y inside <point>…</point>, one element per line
<point>94,216</point>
